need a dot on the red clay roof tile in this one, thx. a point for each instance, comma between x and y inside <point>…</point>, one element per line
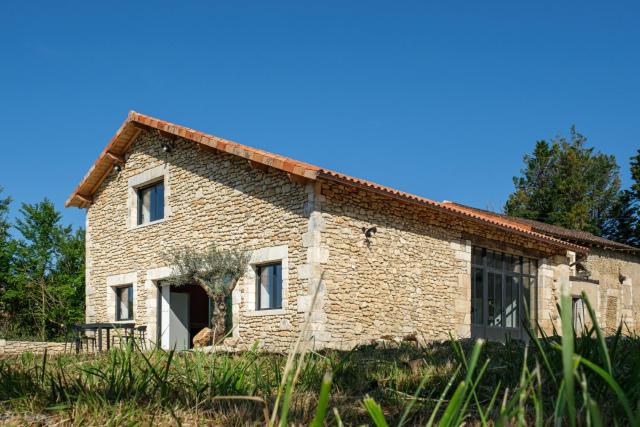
<point>120,143</point>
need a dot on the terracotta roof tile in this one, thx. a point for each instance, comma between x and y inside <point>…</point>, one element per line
<point>578,236</point>
<point>121,142</point>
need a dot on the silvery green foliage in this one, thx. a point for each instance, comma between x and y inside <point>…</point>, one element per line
<point>216,270</point>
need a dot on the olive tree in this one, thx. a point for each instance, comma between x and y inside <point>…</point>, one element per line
<point>217,271</point>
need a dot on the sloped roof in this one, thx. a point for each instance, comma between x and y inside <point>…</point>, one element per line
<point>120,143</point>
<point>575,236</point>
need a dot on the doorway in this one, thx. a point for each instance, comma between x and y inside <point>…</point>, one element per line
<point>183,312</point>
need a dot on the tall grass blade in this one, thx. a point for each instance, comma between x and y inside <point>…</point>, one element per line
<point>442,396</point>
<point>412,402</point>
<point>568,341</point>
<point>604,352</point>
<point>336,414</point>
<point>323,401</point>
<point>615,387</point>
<point>375,412</point>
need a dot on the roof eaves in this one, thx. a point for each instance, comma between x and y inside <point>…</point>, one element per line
<point>84,191</point>
<point>463,213</point>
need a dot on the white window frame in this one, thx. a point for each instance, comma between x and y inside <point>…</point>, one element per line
<point>145,179</point>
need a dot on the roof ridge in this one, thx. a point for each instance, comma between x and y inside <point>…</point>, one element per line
<point>129,130</point>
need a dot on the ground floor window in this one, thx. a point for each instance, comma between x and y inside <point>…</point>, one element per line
<point>124,302</point>
<point>503,294</point>
<point>269,286</point>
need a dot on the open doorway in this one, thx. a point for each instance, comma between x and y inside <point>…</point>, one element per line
<point>183,312</point>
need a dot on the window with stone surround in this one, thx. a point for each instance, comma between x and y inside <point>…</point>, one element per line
<point>269,286</point>
<point>121,297</point>
<point>151,203</point>
<point>148,197</point>
<point>248,296</point>
<point>124,302</point>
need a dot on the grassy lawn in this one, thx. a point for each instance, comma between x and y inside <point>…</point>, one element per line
<point>444,383</point>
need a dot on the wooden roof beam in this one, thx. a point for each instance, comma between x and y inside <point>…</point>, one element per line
<point>84,199</point>
<point>167,135</point>
<point>297,179</point>
<point>116,157</point>
<point>259,166</point>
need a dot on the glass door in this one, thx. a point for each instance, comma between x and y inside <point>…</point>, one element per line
<point>502,288</point>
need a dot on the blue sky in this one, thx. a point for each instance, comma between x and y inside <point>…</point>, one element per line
<point>440,99</point>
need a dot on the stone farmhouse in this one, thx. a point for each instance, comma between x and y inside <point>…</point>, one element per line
<point>381,262</point>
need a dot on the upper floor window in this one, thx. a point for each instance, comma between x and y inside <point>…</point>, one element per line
<point>269,292</point>
<point>151,203</point>
<point>124,302</point>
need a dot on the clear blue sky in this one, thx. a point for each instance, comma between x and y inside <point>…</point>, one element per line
<point>440,99</point>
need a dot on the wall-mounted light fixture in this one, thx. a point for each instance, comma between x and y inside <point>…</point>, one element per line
<point>167,147</point>
<point>621,277</point>
<point>369,232</point>
<point>118,160</point>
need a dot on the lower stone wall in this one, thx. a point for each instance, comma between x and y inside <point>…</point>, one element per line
<point>618,276</point>
<point>16,348</point>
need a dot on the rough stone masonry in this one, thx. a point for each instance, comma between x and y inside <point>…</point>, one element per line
<point>413,276</point>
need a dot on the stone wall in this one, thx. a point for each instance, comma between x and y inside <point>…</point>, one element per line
<point>412,276</point>
<point>618,292</point>
<point>211,197</point>
<point>16,348</point>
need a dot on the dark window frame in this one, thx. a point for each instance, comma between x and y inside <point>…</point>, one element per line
<point>156,201</point>
<point>275,300</point>
<point>521,274</point>
<point>118,291</point>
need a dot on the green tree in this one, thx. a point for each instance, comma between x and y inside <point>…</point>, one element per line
<point>624,224</point>
<point>45,290</point>
<point>566,183</point>
<point>6,244</point>
<point>216,271</point>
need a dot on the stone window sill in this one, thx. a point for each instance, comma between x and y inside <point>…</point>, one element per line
<point>148,224</point>
<point>275,312</point>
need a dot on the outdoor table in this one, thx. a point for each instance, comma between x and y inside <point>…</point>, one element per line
<point>107,327</point>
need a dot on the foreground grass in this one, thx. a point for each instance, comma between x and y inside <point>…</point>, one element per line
<point>588,380</point>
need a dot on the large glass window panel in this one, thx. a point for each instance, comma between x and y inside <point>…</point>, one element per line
<point>158,202</point>
<point>477,297</point>
<point>477,256</point>
<point>503,286</point>
<point>151,203</point>
<point>533,267</point>
<point>498,260</point>
<point>511,305</point>
<point>145,206</point>
<point>529,297</point>
<point>498,314</point>
<point>269,287</point>
<point>276,301</point>
<point>494,303</point>
<point>124,303</point>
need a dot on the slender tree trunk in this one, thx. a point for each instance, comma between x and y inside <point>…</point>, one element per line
<point>44,310</point>
<point>218,321</point>
<point>219,315</point>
